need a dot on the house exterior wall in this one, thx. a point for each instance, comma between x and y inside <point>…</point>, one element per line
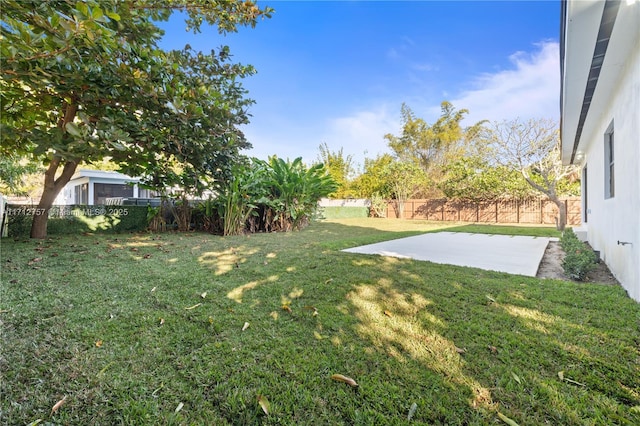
<point>67,195</point>
<point>610,220</point>
<point>93,181</point>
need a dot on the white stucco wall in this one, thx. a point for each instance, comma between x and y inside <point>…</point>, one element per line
<point>91,177</point>
<point>351,202</point>
<point>66,197</point>
<point>618,218</point>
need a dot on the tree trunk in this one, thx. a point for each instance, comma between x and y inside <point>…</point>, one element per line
<point>550,191</point>
<point>562,213</point>
<point>52,188</point>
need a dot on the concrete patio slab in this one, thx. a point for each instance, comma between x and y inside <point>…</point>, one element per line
<point>503,253</point>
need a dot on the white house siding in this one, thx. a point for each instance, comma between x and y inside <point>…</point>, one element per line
<point>92,177</point>
<point>617,218</point>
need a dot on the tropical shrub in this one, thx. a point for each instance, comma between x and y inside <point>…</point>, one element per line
<point>579,259</point>
<point>298,189</point>
<point>266,196</point>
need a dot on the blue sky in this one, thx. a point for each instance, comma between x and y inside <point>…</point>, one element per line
<point>337,72</point>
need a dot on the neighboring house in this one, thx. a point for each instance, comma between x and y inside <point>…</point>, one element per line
<point>91,187</point>
<point>600,126</point>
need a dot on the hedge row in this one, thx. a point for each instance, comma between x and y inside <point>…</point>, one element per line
<point>76,219</point>
<point>344,212</point>
<point>579,258</point>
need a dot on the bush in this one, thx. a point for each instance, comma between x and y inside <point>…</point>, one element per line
<point>579,259</point>
<point>78,219</point>
<point>338,212</point>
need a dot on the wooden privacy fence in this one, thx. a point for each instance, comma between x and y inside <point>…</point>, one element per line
<point>533,210</point>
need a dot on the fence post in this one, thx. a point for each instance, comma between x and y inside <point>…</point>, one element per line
<point>518,211</point>
<point>496,211</point>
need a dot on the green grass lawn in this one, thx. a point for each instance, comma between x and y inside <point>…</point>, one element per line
<point>173,329</point>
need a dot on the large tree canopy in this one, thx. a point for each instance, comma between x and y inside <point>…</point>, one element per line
<point>85,80</point>
<point>532,148</point>
<point>434,145</point>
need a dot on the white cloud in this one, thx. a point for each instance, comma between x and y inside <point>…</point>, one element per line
<point>531,89</point>
<point>528,89</point>
<point>361,134</point>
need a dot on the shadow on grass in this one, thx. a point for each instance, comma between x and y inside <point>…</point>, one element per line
<point>129,337</point>
<point>491,342</point>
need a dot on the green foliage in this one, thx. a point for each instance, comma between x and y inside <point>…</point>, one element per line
<point>373,179</point>
<point>340,168</point>
<point>240,196</point>
<point>205,216</point>
<point>533,148</point>
<point>274,195</point>
<point>86,80</point>
<point>471,178</point>
<point>78,219</point>
<point>378,205</point>
<point>299,189</point>
<point>405,179</point>
<point>339,212</point>
<point>13,170</point>
<point>433,146</point>
<point>579,258</point>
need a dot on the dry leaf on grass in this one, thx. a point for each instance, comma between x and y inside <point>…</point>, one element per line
<point>98,343</point>
<point>461,350</point>
<point>344,379</point>
<point>565,379</point>
<point>245,326</point>
<point>387,313</point>
<point>312,308</point>
<point>193,307</point>
<point>179,407</point>
<point>264,404</point>
<point>58,404</point>
<point>203,295</point>
<point>286,308</point>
